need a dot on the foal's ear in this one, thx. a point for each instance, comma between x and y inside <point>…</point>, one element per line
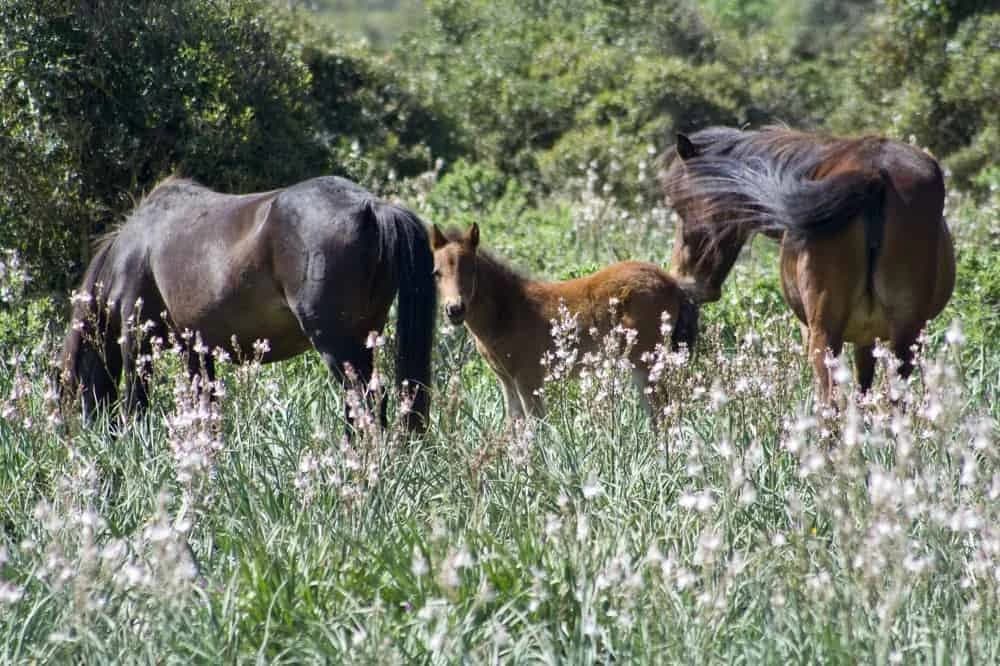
<point>472,236</point>
<point>685,148</point>
<point>437,238</point>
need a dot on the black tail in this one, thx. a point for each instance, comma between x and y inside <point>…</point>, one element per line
<point>775,197</point>
<point>685,329</point>
<point>91,359</point>
<point>404,237</point>
<point>874,213</point>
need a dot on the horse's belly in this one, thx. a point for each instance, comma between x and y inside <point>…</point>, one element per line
<point>246,316</point>
<point>279,328</point>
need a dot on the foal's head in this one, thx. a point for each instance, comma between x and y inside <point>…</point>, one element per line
<point>455,270</point>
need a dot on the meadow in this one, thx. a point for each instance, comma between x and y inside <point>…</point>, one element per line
<point>749,526</point>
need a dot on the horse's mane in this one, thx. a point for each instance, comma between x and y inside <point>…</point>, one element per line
<point>168,184</point>
<point>173,183</point>
<point>776,145</point>
<point>765,179</point>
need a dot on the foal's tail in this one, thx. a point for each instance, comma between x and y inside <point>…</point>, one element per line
<point>403,236</point>
<point>89,354</point>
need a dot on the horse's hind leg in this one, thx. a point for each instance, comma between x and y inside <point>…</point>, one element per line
<point>821,341</point>
<point>904,344</point>
<point>511,401</point>
<point>137,349</point>
<point>201,366</point>
<point>137,355</point>
<point>864,366</point>
<point>531,401</point>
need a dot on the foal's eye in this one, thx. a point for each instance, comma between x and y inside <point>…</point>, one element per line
<point>436,273</point>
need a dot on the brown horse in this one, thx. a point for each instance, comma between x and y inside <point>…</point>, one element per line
<point>511,316</point>
<point>865,250</point>
<point>315,264</point>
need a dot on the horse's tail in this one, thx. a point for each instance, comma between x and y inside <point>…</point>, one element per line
<point>403,239</point>
<point>87,359</point>
<point>783,198</point>
<point>685,330</point>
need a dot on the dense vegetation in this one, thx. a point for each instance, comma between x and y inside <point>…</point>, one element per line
<point>749,526</point>
<point>247,96</point>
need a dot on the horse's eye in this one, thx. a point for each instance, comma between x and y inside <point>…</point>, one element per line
<point>436,273</point>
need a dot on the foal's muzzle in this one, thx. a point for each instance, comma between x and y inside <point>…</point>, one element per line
<point>455,313</point>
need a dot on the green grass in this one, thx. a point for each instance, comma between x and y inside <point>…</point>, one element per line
<point>742,530</point>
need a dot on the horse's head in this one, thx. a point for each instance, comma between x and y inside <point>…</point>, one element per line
<point>455,270</point>
<point>705,245</point>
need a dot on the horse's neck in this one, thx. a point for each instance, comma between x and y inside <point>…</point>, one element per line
<point>500,297</point>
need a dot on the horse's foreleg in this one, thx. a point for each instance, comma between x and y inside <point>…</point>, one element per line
<point>352,363</point>
<point>137,365</point>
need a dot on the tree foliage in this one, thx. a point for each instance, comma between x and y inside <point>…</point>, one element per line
<point>932,72</point>
<point>99,100</point>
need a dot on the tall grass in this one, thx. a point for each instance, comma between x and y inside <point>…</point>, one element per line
<point>750,525</point>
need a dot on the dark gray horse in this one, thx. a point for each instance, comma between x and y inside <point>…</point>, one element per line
<point>317,263</point>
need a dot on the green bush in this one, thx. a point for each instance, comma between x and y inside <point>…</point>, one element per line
<point>931,75</point>
<point>101,100</point>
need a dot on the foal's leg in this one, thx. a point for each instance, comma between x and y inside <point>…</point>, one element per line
<point>531,402</point>
<point>640,378</point>
<point>511,401</point>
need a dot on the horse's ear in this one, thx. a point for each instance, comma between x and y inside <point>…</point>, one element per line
<point>437,238</point>
<point>472,236</point>
<point>685,148</point>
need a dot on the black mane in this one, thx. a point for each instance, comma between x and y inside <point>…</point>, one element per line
<point>767,179</point>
